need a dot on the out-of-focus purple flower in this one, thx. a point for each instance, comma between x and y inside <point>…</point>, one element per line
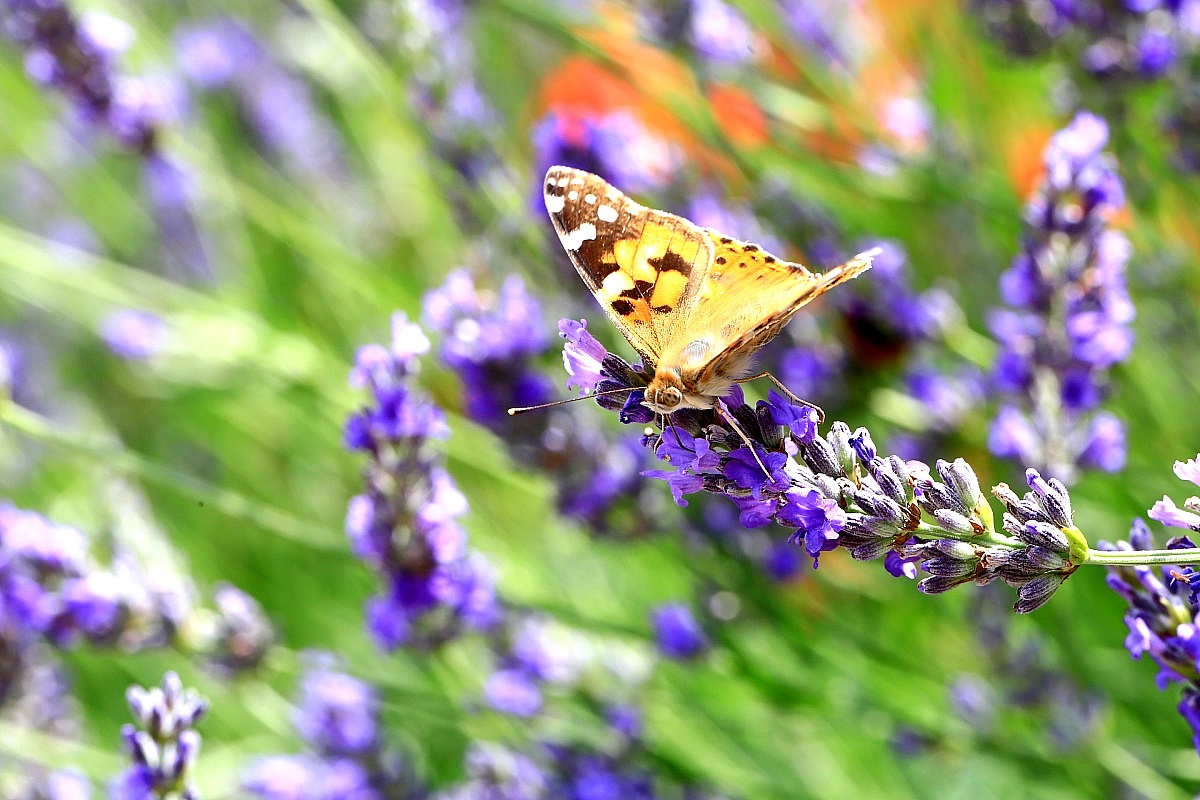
<point>491,340</point>
<point>224,53</point>
<point>77,58</point>
<point>822,28</point>
<point>719,32</point>
<point>338,715</point>
<point>241,635</point>
<point>495,772</point>
<point>163,746</point>
<point>513,691</point>
<point>616,146</point>
<point>1070,316</point>
<point>404,522</point>
<point>338,719</point>
<point>134,334</point>
<point>1165,510</point>
<point>708,210</point>
<point>1110,41</point>
<point>677,633</point>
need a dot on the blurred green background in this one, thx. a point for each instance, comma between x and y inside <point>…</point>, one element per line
<point>219,457</point>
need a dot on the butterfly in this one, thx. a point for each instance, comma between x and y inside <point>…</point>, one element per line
<point>697,305</point>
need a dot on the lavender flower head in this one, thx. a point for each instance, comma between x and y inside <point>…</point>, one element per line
<point>337,717</point>
<point>1162,614</point>
<point>678,634</point>
<point>836,491</point>
<point>163,745</point>
<point>404,523</point>
<point>616,145</point>
<point>1069,315</point>
<point>490,340</point>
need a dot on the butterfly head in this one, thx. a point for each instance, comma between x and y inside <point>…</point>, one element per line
<point>666,393</point>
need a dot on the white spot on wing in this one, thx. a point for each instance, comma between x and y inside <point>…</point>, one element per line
<point>563,181</point>
<point>555,203</point>
<point>590,199</point>
<point>573,195</point>
<point>575,239</point>
<point>607,213</point>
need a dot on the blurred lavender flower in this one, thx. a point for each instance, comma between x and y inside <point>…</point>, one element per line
<point>886,316</point>
<point>822,29</point>
<point>404,523</point>
<point>495,772</point>
<point>836,490</point>
<point>133,334</point>
<point>1070,314</point>
<point>1131,40</point>
<point>716,31</point>
<point>240,634</point>
<point>616,145</point>
<point>35,695</point>
<point>337,716</point>
<point>490,339</point>
<point>77,56</point>
<point>280,108</point>
<point>163,745</point>
<point>1162,618</point>
<point>678,634</point>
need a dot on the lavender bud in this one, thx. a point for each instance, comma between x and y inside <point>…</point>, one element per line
<point>953,548</point>
<point>880,506</point>
<point>937,584</point>
<point>1053,496</point>
<point>889,482</point>
<point>821,458</point>
<point>870,551</point>
<point>961,478</point>
<point>1044,535</point>
<point>863,446</point>
<point>953,521</point>
<point>1037,592</point>
<point>839,441</point>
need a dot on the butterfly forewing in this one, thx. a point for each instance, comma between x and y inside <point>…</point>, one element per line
<point>645,267</point>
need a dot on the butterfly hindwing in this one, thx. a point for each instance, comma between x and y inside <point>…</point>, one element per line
<point>645,267</point>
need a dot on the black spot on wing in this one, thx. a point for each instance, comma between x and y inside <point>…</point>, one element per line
<point>622,307</point>
<point>671,261</point>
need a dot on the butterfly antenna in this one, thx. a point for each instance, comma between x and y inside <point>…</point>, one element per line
<point>728,417</point>
<point>512,412</point>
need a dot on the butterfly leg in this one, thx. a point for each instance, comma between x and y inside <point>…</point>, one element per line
<point>787,393</point>
<point>725,415</point>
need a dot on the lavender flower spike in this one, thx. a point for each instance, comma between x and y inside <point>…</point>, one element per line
<point>163,745</point>
<point>1069,314</point>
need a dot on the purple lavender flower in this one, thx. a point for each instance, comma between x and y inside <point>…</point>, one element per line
<point>1070,316</point>
<point>338,719</point>
<point>78,59</point>
<point>404,523</point>
<point>1162,618</point>
<point>1110,41</point>
<point>719,32</point>
<point>224,53</point>
<point>836,490</point>
<point>338,715</point>
<point>513,691</point>
<point>1188,517</point>
<point>134,334</point>
<point>490,339</point>
<point>163,745</point>
<point>678,634</point>
<point>616,146</point>
<point>242,634</point>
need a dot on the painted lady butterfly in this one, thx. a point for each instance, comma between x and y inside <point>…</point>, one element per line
<point>695,304</point>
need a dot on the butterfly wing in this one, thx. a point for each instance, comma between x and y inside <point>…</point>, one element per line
<point>747,297</point>
<point>645,267</point>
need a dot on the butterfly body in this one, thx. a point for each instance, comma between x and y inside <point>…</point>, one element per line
<point>697,305</point>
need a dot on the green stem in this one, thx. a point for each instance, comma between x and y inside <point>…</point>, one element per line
<point>1137,558</point>
<point>989,538</point>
